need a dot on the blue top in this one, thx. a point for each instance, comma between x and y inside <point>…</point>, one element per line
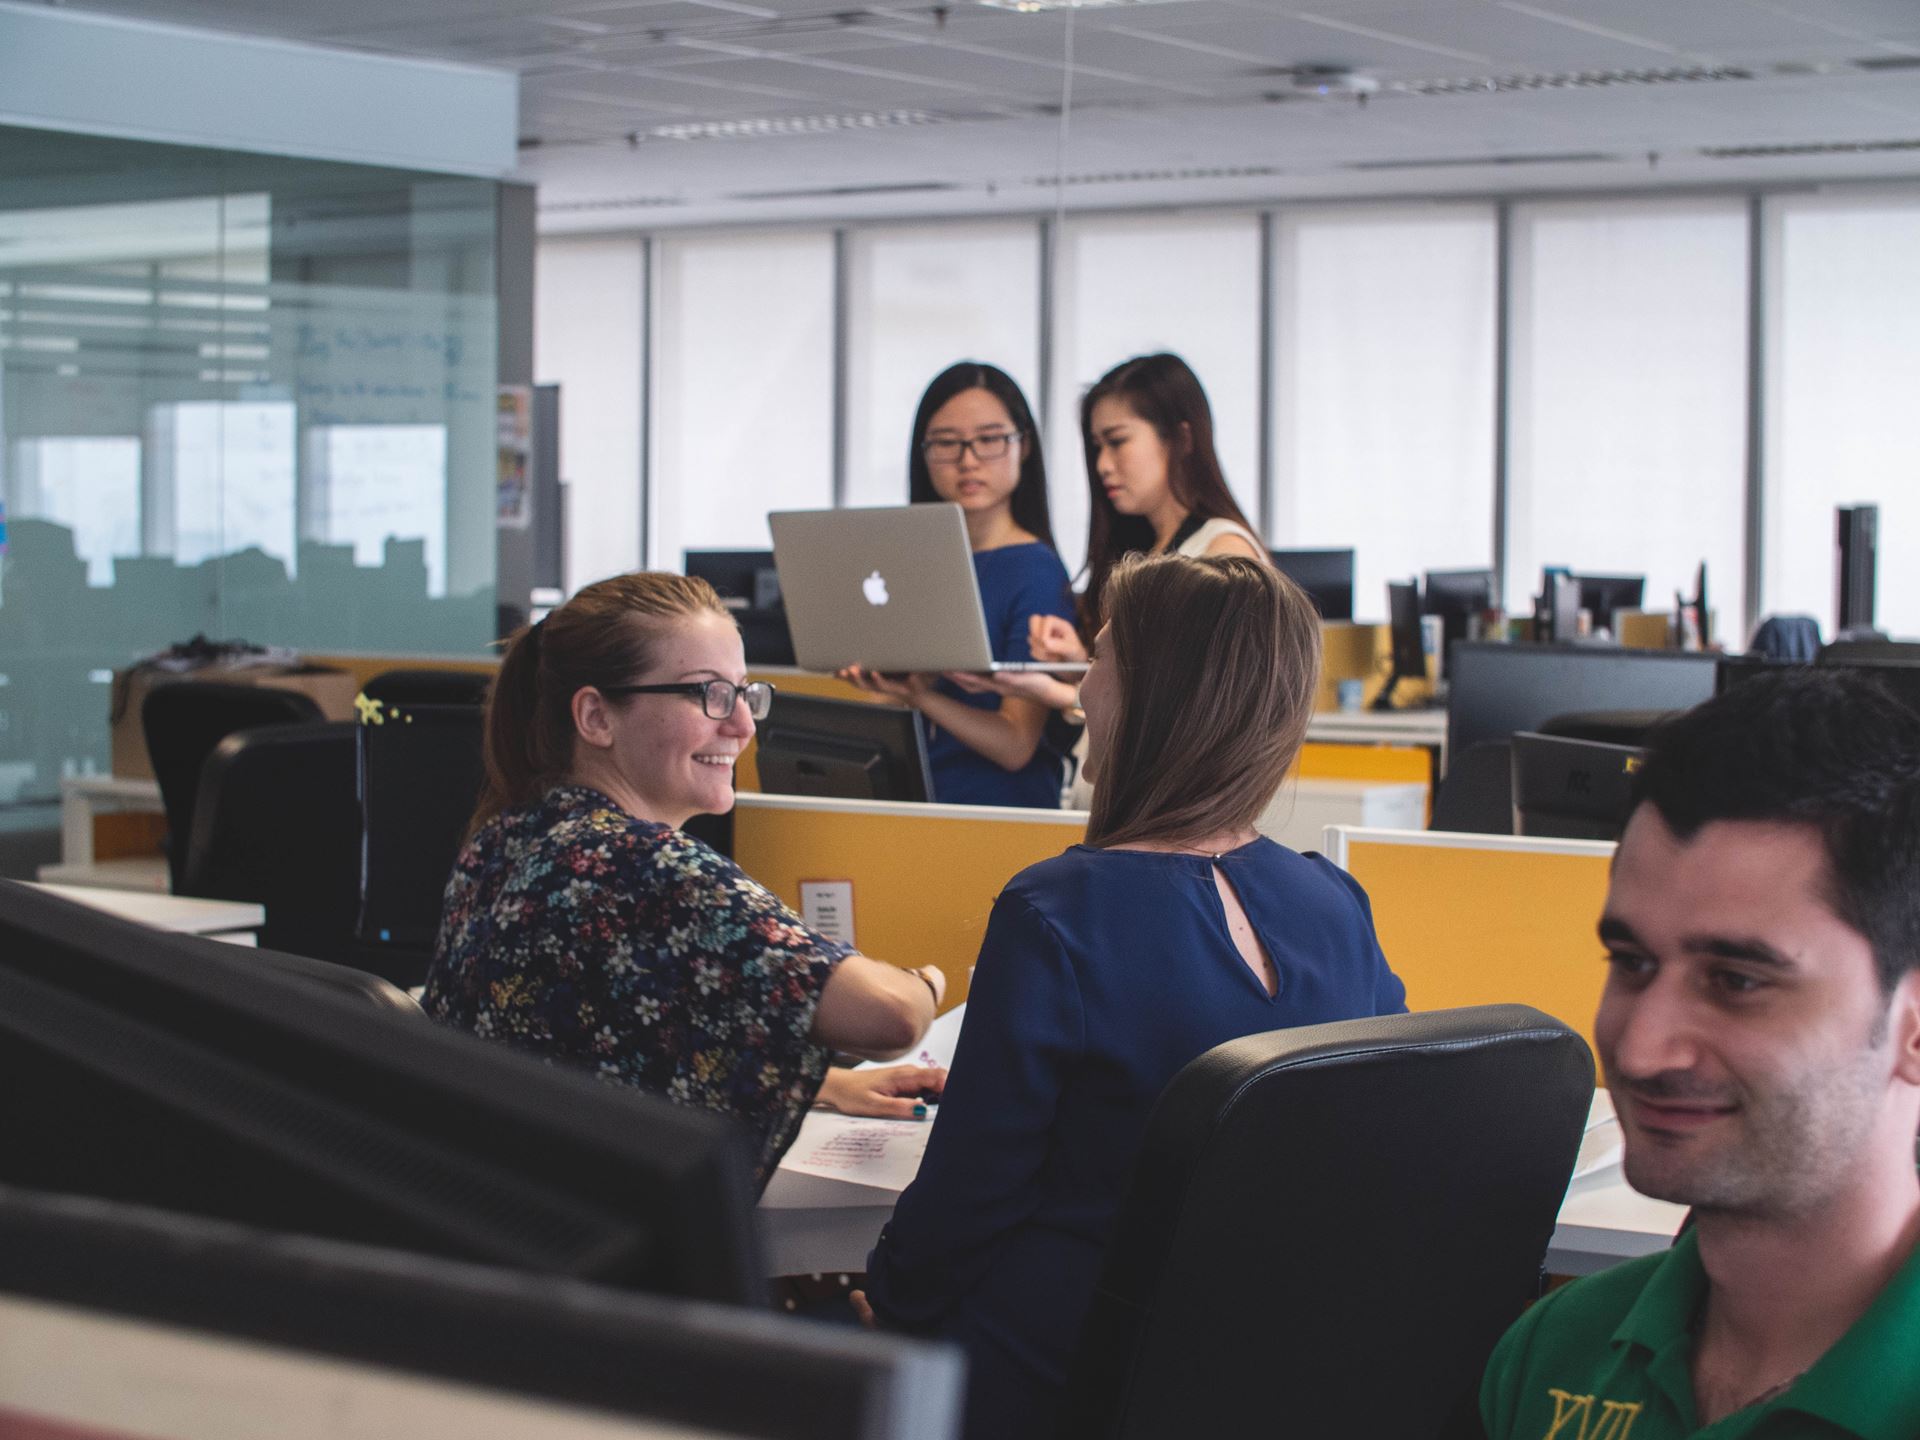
<point>1103,973</point>
<point>1016,581</point>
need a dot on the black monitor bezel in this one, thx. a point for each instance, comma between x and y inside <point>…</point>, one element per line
<point>1325,574</point>
<point>709,1368</point>
<point>396,1127</point>
<point>895,730</point>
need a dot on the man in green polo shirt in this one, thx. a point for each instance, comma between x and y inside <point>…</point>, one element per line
<point>1760,1032</point>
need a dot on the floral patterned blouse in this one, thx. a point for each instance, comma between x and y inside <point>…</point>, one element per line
<point>588,937</point>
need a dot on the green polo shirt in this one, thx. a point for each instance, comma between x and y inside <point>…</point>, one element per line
<point>1606,1358</point>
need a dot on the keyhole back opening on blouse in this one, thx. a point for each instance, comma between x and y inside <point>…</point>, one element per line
<point>1246,940</point>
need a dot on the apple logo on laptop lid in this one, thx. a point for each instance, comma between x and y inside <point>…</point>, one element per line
<point>874,587</point>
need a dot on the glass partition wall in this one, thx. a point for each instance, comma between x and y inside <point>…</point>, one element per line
<point>243,397</point>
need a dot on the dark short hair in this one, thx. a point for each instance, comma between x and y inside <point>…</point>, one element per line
<point>1028,504</point>
<point>1826,747</point>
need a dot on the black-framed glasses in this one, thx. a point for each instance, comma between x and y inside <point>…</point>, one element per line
<point>717,697</point>
<point>947,450</point>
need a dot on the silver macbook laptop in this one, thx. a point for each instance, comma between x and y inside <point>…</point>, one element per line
<point>891,589</point>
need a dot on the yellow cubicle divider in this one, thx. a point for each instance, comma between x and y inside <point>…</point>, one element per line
<point>1410,764</point>
<point>924,877</point>
<point>1485,919</point>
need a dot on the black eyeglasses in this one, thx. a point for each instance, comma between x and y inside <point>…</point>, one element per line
<point>717,697</point>
<point>986,448</point>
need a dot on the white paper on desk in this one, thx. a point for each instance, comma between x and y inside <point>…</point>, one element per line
<point>936,1048</point>
<point>881,1153</point>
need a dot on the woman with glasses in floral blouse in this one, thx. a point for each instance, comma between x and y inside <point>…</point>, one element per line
<point>975,445</point>
<point>583,924</point>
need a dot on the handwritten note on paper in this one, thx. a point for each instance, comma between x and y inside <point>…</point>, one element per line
<point>882,1153</point>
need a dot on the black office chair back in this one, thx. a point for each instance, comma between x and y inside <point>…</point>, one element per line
<point>183,722</point>
<point>429,687</point>
<point>1476,793</point>
<point>1329,1227</point>
<point>1606,727</point>
<point>319,975</point>
<point>276,822</point>
<point>420,774</point>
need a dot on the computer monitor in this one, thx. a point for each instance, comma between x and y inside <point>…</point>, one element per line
<point>1457,596</point>
<point>842,749</point>
<point>1601,595</point>
<point>1497,690</point>
<point>1899,675</point>
<point>750,585</point>
<point>1856,543</point>
<point>1731,670</point>
<point>1557,619</point>
<point>421,771</point>
<point>1572,789</point>
<point>123,1318</point>
<point>1326,576</point>
<point>140,1069</point>
<point>1408,650</point>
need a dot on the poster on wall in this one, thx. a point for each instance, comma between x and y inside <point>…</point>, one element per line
<point>514,438</point>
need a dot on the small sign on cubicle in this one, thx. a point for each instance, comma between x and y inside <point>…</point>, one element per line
<point>827,906</point>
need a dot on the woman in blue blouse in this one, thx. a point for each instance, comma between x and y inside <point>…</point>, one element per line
<point>1176,927</point>
<point>583,924</point>
<point>975,445</point>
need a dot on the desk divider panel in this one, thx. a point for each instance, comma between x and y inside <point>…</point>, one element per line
<point>1485,919</point>
<point>924,876</point>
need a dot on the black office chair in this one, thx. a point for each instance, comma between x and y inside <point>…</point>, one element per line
<point>419,777</point>
<point>1606,727</point>
<point>183,722</point>
<point>276,822</point>
<point>1476,793</point>
<point>429,687</point>
<point>1329,1227</point>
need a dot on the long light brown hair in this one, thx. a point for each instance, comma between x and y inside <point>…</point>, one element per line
<point>604,635</point>
<point>1217,662</point>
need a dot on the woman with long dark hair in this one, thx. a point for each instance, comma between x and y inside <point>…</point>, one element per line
<point>1174,928</point>
<point>1156,489</point>
<point>975,445</point>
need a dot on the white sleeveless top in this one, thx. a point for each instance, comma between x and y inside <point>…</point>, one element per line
<point>1197,543</point>
<point>1080,793</point>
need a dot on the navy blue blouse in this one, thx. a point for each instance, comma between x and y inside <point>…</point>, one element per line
<point>1103,973</point>
<point>1016,581</point>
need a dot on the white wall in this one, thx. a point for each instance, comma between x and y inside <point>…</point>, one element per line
<point>589,322</point>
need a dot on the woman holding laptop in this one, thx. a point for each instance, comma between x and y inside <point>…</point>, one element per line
<point>1157,488</point>
<point>583,924</point>
<point>1174,928</point>
<point>975,445</point>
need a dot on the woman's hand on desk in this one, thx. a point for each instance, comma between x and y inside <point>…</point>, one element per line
<point>898,1092</point>
<point>907,687</point>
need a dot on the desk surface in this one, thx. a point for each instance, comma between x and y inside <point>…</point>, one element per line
<point>1379,727</point>
<point>812,1225</point>
<point>183,914</point>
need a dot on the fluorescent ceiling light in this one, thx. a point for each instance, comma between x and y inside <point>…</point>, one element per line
<point>1034,7</point>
